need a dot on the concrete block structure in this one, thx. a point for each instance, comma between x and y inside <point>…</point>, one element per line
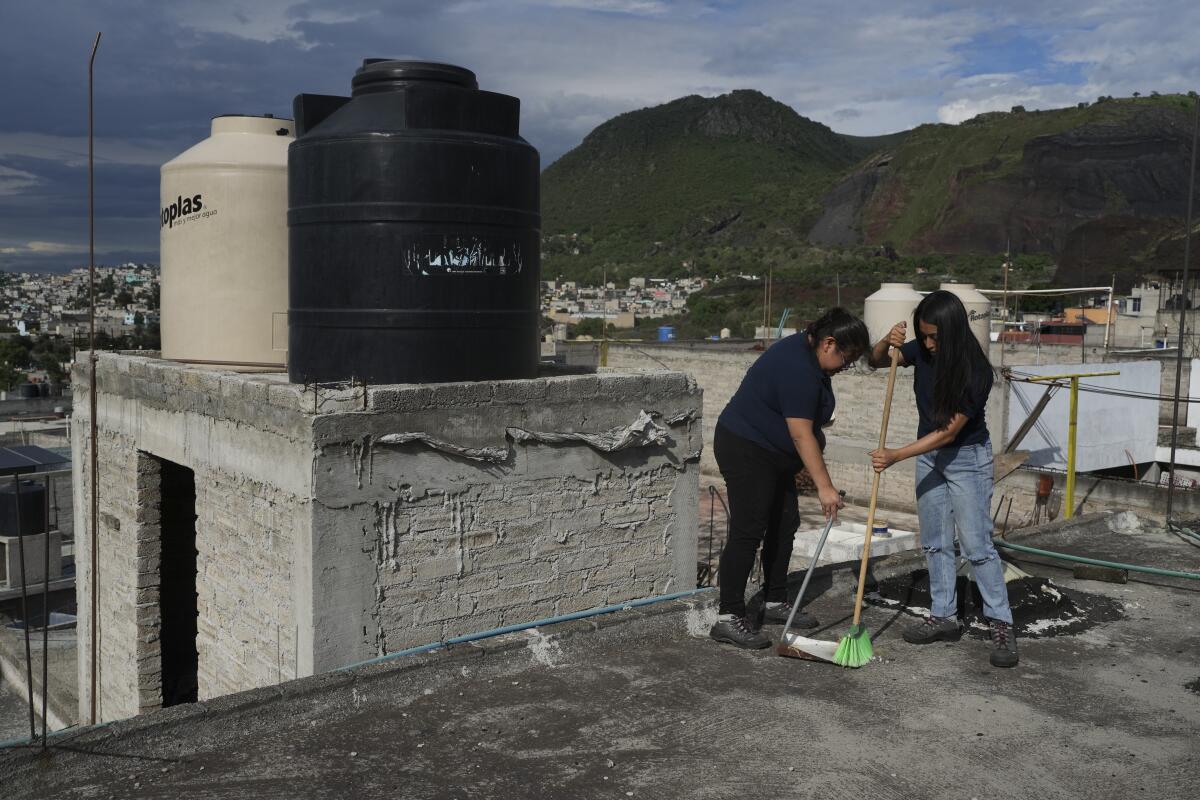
<point>252,530</point>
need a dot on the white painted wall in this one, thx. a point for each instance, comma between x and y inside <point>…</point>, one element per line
<point>1109,425</point>
<point>1190,412</point>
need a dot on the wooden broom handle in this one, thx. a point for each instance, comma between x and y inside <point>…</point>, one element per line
<point>883,426</point>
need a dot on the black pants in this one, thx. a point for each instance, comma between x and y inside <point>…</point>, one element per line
<point>763,510</point>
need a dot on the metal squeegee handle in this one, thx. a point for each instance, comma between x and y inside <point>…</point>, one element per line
<point>812,564</point>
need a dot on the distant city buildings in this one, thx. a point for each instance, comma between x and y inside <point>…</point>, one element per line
<point>57,304</point>
<point>644,298</point>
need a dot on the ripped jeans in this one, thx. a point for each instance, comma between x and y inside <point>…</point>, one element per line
<point>954,490</point>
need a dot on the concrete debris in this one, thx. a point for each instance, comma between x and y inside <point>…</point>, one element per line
<point>490,454</point>
<point>1124,522</point>
<point>544,649</point>
<point>689,416</point>
<point>699,621</point>
<point>642,432</point>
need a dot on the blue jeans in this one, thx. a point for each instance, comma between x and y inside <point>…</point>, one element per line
<point>954,490</point>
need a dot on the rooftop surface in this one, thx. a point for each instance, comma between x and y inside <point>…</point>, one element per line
<point>641,704</point>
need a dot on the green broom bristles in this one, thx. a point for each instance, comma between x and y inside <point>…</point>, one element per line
<point>854,649</point>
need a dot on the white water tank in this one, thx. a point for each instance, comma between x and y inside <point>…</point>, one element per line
<point>892,303</point>
<point>979,310</point>
<point>223,241</point>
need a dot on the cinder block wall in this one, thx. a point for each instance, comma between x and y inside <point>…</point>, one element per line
<point>416,544</point>
<point>859,394</point>
<point>250,453</point>
<point>323,538</point>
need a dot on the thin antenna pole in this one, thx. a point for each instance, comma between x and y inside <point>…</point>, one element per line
<point>1187,256</point>
<point>95,510</point>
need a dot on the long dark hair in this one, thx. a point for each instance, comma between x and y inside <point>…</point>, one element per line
<point>961,363</point>
<point>847,330</point>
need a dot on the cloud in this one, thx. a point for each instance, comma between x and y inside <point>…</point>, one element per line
<point>14,181</point>
<point>43,248</point>
<point>163,70</point>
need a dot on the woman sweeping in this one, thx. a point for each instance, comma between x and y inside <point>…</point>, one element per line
<point>954,467</point>
<point>770,429</point>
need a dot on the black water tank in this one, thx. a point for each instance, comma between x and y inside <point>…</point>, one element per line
<point>33,508</point>
<point>413,231</point>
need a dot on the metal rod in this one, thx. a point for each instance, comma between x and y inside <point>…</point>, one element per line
<point>712,514</point>
<point>94,480</point>
<point>1039,378</point>
<point>1072,426</point>
<point>1030,420</point>
<point>46,613</point>
<point>1108,317</point>
<point>24,604</point>
<point>1187,257</point>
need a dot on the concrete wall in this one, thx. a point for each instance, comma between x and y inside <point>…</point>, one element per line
<point>859,392</point>
<point>252,534</point>
<point>1114,429</point>
<point>417,544</point>
<point>322,542</point>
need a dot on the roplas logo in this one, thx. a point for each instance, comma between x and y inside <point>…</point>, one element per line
<point>182,207</point>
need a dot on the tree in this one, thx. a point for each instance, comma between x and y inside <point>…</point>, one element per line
<point>592,326</point>
<point>123,298</point>
<point>107,285</point>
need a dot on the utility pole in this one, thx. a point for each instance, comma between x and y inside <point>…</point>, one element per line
<point>837,282</point>
<point>604,318</point>
<point>1004,315</point>
<point>1187,255</point>
<point>1109,317</point>
<point>770,297</point>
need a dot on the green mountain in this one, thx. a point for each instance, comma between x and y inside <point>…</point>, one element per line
<point>702,185</point>
<point>743,184</point>
<point>1102,188</point>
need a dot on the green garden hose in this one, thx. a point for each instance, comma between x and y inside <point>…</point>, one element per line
<point>1169,573</point>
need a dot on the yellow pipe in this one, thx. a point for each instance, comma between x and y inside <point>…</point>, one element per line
<point>1036,378</point>
<point>1072,428</point>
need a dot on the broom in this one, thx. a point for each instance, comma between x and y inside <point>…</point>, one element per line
<point>854,649</point>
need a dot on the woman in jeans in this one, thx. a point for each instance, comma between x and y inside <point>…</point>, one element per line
<point>770,429</point>
<point>954,467</point>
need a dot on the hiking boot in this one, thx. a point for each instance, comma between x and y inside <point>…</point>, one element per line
<point>933,629</point>
<point>777,614</point>
<point>739,632</point>
<point>1004,644</point>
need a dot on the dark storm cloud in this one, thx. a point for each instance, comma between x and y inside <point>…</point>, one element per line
<point>164,69</point>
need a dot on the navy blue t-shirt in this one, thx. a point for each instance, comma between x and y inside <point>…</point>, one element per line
<point>785,381</point>
<point>972,405</point>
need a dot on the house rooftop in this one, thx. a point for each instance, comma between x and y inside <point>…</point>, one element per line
<point>639,703</point>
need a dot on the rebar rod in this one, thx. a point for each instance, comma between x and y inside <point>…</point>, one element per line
<point>94,460</point>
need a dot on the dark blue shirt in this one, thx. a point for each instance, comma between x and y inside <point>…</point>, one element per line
<point>785,381</point>
<point>972,405</point>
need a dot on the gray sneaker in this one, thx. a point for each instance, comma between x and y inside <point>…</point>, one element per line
<point>777,614</point>
<point>933,629</point>
<point>1004,644</point>
<point>739,632</point>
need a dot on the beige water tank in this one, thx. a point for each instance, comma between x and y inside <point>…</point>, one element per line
<point>223,242</point>
<point>892,303</point>
<point>979,310</point>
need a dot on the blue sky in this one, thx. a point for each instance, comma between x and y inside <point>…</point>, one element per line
<point>867,67</point>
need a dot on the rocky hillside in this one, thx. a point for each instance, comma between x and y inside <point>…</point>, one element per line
<point>1101,188</point>
<point>699,184</point>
